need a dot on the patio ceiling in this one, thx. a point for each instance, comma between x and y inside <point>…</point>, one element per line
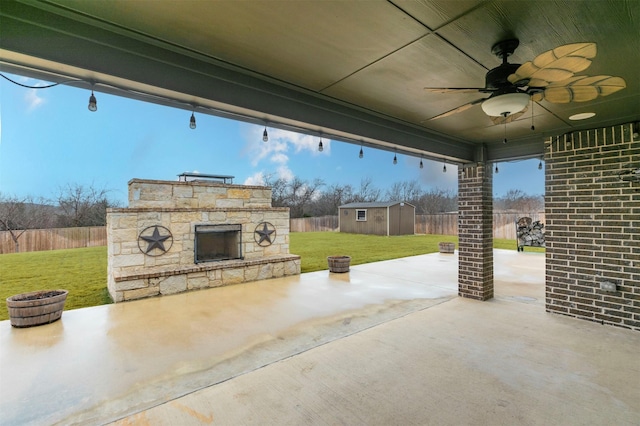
<point>348,70</point>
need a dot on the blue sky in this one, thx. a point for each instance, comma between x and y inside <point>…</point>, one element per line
<point>48,139</point>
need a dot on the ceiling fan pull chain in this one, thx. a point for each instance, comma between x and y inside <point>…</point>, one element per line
<point>532,126</point>
<point>505,127</point>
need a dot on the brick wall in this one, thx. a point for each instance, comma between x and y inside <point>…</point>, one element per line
<point>475,232</point>
<point>593,226</point>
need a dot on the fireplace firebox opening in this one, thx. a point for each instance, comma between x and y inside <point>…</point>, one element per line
<point>217,242</point>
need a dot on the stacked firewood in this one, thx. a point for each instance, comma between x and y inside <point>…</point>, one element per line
<point>529,233</point>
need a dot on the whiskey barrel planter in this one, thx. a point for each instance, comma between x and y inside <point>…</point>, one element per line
<point>447,247</point>
<point>339,264</point>
<point>36,308</point>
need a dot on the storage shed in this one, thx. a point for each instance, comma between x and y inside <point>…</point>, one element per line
<point>379,218</point>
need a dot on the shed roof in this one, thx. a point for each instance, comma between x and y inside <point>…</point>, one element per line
<point>372,204</point>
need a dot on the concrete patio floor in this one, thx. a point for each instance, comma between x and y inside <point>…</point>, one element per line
<point>387,343</point>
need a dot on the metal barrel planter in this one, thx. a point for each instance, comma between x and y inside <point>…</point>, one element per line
<point>447,247</point>
<point>339,264</point>
<point>36,308</point>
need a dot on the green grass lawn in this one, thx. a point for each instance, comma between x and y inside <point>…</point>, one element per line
<point>81,271</point>
<point>314,247</point>
<point>84,271</point>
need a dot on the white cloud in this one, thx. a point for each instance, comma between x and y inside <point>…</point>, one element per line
<point>256,179</point>
<point>285,173</point>
<point>259,178</point>
<point>433,176</point>
<point>276,151</point>
<point>33,100</point>
<point>279,158</point>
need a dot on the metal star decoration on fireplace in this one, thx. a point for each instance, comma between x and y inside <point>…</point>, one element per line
<point>155,240</point>
<point>264,234</point>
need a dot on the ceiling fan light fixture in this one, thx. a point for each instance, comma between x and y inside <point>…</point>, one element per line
<point>582,116</point>
<point>508,103</point>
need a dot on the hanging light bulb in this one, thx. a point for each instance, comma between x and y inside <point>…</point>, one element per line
<point>192,121</point>
<point>93,104</point>
<point>265,135</point>
<point>320,147</point>
<point>361,154</point>
<point>497,171</point>
<point>444,168</point>
<point>421,165</point>
<point>540,165</point>
<point>395,159</point>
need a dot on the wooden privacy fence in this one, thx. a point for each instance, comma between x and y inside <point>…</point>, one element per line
<point>314,224</point>
<point>504,223</point>
<point>65,238</point>
<point>54,239</point>
<point>439,224</point>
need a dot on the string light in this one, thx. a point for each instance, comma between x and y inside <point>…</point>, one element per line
<point>540,165</point>
<point>265,135</point>
<point>395,159</point>
<point>192,121</point>
<point>421,165</point>
<point>361,154</point>
<point>497,171</point>
<point>93,104</point>
<point>444,168</point>
<point>320,147</point>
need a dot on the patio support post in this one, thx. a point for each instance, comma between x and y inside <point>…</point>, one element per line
<point>475,231</point>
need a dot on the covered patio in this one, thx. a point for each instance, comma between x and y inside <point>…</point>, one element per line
<point>389,343</point>
<point>377,345</point>
<point>412,77</point>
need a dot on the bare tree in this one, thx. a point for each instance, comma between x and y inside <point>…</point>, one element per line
<point>278,190</point>
<point>516,199</point>
<point>437,201</point>
<point>328,202</point>
<point>367,193</point>
<point>300,193</point>
<point>19,214</point>
<point>83,206</point>
<point>409,191</point>
<point>296,193</point>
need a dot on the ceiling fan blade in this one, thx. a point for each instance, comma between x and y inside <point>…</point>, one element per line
<point>457,110</point>
<point>583,88</point>
<point>453,89</point>
<point>537,97</point>
<point>509,118</point>
<point>558,64</point>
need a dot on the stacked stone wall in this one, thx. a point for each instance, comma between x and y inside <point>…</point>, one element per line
<point>195,194</point>
<point>593,226</point>
<point>179,207</point>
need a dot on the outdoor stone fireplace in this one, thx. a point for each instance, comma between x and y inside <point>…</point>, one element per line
<point>178,236</point>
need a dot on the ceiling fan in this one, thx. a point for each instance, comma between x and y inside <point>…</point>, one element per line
<point>550,76</point>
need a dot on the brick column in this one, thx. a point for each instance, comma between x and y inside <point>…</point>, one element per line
<point>593,226</point>
<point>475,231</point>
